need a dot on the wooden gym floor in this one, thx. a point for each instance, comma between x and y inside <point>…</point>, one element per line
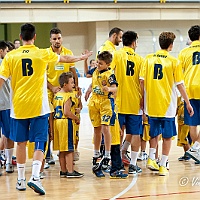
<point>182,183</point>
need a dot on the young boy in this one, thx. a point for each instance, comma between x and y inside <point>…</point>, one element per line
<point>161,74</point>
<point>77,109</point>
<point>63,126</point>
<point>101,107</point>
<point>184,139</point>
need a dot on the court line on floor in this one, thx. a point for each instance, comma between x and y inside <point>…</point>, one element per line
<point>156,195</point>
<point>86,148</point>
<point>133,182</point>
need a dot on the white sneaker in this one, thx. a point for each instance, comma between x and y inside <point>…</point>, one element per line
<point>142,156</point>
<point>194,154</point>
<point>36,185</point>
<point>46,166</point>
<point>9,168</point>
<point>42,175</point>
<point>76,155</point>
<point>21,185</point>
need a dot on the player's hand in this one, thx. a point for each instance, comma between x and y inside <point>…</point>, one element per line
<point>87,94</point>
<point>55,89</point>
<point>77,121</point>
<point>86,54</point>
<point>77,110</point>
<point>106,89</point>
<point>190,109</point>
<point>79,94</point>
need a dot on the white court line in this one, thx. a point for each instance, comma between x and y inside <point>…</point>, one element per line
<point>126,189</point>
<point>86,148</point>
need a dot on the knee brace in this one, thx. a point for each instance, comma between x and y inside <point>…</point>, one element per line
<point>40,146</point>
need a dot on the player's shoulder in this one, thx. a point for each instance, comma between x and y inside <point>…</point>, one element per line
<point>66,51</point>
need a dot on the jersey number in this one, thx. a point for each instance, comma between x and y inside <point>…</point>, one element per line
<point>158,74</point>
<point>105,118</point>
<point>196,58</point>
<point>130,68</point>
<point>27,69</point>
<point>58,112</point>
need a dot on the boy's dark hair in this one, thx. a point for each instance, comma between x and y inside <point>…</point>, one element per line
<point>27,32</point>
<point>129,37</point>
<point>106,56</point>
<point>55,30</point>
<point>194,33</point>
<point>3,45</point>
<point>91,61</point>
<point>114,30</point>
<point>165,39</point>
<point>11,46</point>
<point>64,78</point>
<point>16,40</point>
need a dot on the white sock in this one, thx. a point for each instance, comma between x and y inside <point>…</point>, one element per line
<point>36,166</point>
<point>134,156</point>
<point>107,154</point>
<point>163,160</point>
<point>196,145</point>
<point>21,171</point>
<point>8,154</point>
<point>96,153</point>
<point>125,145</point>
<point>152,153</point>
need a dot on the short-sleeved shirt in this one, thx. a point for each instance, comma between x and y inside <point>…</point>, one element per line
<point>54,70</point>
<point>107,46</point>
<point>59,101</point>
<point>161,73</point>
<point>27,68</point>
<point>190,62</point>
<point>127,66</point>
<point>101,79</point>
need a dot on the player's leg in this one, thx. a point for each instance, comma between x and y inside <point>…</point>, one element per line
<point>38,134</point>
<point>134,127</point>
<point>193,122</point>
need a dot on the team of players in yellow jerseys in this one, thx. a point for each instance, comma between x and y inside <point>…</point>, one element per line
<point>124,88</point>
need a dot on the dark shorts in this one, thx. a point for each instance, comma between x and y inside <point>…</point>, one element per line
<point>162,125</point>
<point>32,129</point>
<point>195,119</point>
<point>5,122</point>
<point>133,123</point>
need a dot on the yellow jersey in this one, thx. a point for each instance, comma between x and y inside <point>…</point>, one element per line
<point>107,46</point>
<point>54,70</point>
<point>190,62</point>
<point>27,68</point>
<point>161,73</point>
<point>101,79</point>
<point>59,101</point>
<point>127,66</point>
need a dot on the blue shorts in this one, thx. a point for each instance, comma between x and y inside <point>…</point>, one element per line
<point>5,122</point>
<point>162,125</point>
<point>32,129</point>
<point>195,119</point>
<point>133,123</point>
